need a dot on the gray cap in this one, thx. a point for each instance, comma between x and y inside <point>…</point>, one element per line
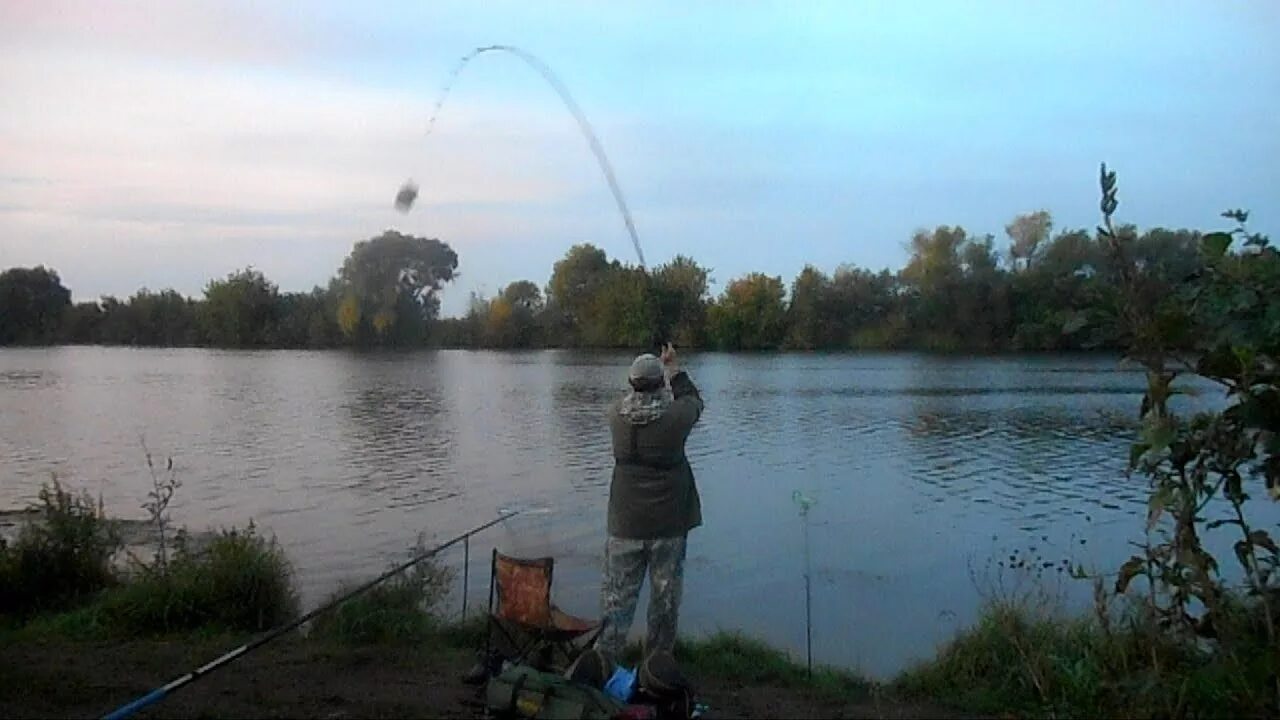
<point>646,367</point>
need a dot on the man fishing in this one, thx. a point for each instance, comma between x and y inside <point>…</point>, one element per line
<point>653,501</point>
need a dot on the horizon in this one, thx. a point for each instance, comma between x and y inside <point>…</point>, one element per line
<point>164,145</point>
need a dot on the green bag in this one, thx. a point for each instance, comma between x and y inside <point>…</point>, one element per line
<point>525,692</point>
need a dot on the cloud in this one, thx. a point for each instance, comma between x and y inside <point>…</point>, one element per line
<point>164,143</point>
<point>108,166</point>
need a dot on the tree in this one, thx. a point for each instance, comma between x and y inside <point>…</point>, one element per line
<point>307,320</point>
<point>810,316</point>
<point>934,276</point>
<point>32,304</point>
<point>1027,233</point>
<point>750,315</point>
<point>82,325</point>
<point>1061,283</point>
<point>523,294</point>
<point>575,281</point>
<point>509,320</point>
<point>624,311</point>
<point>388,287</point>
<point>241,311</point>
<point>680,287</point>
<point>165,318</point>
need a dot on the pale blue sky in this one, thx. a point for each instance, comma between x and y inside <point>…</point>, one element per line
<point>161,144</point>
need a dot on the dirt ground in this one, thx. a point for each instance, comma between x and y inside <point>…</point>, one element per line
<point>295,679</point>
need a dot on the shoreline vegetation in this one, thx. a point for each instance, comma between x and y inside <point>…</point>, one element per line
<point>1034,291</point>
<point>63,589</point>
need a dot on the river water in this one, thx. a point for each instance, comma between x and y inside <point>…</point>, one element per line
<point>926,471</point>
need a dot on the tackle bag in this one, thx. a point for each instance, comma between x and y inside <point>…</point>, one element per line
<point>522,691</point>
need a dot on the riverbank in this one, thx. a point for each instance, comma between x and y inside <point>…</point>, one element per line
<point>1014,663</point>
<point>80,636</point>
<point>298,677</point>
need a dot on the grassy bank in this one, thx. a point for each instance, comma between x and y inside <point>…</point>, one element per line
<point>60,591</point>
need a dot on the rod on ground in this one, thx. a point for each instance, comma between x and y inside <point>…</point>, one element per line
<point>806,503</point>
<point>164,691</point>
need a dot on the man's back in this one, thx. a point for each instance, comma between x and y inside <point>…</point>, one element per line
<point>653,492</point>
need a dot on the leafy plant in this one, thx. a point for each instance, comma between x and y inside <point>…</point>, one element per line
<point>163,485</point>
<point>1193,464</point>
<point>402,609</point>
<point>240,581</point>
<point>61,556</point>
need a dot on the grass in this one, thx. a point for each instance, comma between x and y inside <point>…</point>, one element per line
<point>402,610</point>
<point>57,583</point>
<point>58,579</point>
<point>240,582</point>
<point>734,656</point>
<point>1018,660</point>
<point>60,558</point>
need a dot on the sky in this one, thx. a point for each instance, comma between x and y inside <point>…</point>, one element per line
<point>162,144</point>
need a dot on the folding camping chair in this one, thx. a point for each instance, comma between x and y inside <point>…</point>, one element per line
<point>520,605</point>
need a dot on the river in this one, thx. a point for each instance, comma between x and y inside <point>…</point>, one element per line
<point>926,470</point>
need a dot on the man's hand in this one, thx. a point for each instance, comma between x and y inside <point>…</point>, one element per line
<point>669,362</point>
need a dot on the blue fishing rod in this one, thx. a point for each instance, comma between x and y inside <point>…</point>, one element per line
<point>178,683</point>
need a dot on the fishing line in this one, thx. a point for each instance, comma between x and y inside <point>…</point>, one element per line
<point>409,191</point>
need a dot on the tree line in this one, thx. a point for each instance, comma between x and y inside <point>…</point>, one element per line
<point>385,293</point>
<point>957,292</point>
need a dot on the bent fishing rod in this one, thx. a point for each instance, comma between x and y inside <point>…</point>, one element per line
<point>173,686</point>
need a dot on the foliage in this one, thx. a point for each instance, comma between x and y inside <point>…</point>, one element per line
<point>32,305</point>
<point>163,486</point>
<point>733,656</point>
<point>1036,663</point>
<point>239,581</point>
<point>750,315</point>
<point>956,293</point>
<point>681,288</point>
<point>1199,469</point>
<point>240,311</point>
<point>388,287</point>
<point>60,557</point>
<point>403,609</point>
<point>1027,233</point>
<point>575,284</point>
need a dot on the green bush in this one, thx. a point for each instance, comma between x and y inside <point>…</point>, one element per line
<point>1018,660</point>
<point>61,557</point>
<point>240,581</point>
<point>403,609</point>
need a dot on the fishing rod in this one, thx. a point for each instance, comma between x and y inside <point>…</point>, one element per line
<point>173,686</point>
<point>806,503</point>
<point>408,192</point>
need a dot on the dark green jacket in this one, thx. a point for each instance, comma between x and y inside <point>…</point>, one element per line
<point>653,494</point>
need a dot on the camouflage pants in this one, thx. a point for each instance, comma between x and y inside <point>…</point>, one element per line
<point>625,562</point>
